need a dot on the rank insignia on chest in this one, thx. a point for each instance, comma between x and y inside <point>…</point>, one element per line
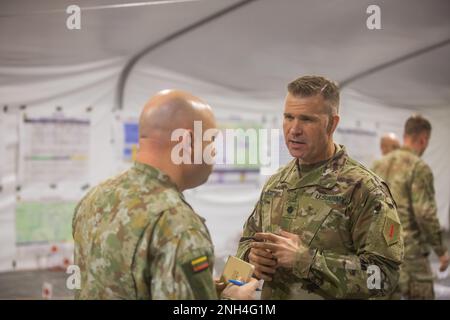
<point>391,231</point>
<point>200,264</point>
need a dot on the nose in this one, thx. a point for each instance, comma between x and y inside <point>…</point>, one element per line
<point>296,128</point>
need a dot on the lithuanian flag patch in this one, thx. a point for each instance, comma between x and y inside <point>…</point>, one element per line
<point>200,264</point>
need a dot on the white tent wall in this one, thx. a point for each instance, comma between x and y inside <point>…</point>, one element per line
<point>437,156</point>
<point>145,80</point>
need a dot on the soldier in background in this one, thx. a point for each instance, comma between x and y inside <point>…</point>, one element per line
<point>135,235</point>
<point>388,142</point>
<point>324,224</point>
<point>411,183</point>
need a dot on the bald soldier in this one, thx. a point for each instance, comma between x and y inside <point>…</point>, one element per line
<point>324,226</point>
<point>135,235</point>
<point>388,142</point>
<point>411,182</point>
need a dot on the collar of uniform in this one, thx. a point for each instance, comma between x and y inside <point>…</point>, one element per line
<point>152,172</point>
<point>405,148</point>
<point>327,172</point>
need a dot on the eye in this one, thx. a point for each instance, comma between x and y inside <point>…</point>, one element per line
<point>306,119</point>
<point>288,117</point>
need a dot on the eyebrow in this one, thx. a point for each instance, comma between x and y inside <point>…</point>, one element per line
<point>301,116</point>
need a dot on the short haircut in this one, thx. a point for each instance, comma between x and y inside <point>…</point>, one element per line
<point>417,124</point>
<point>309,86</point>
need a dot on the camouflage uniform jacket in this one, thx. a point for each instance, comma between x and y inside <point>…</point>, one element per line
<point>137,238</point>
<point>411,182</point>
<point>347,222</point>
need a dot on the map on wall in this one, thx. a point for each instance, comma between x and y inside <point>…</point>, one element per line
<point>243,138</point>
<point>44,221</point>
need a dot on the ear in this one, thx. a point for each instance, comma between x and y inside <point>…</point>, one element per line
<point>333,123</point>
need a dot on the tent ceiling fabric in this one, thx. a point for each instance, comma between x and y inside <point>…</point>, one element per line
<point>43,39</point>
<point>255,50</point>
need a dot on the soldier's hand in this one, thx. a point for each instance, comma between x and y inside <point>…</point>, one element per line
<point>220,286</point>
<point>444,259</point>
<point>244,292</point>
<point>264,263</point>
<point>284,247</point>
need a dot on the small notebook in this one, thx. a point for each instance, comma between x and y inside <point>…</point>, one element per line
<point>237,269</point>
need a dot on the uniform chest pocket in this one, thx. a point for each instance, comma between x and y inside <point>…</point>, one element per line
<point>271,210</point>
<point>310,215</point>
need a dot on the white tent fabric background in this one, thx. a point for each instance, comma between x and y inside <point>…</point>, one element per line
<point>239,63</point>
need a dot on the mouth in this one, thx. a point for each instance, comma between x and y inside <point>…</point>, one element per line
<point>297,142</point>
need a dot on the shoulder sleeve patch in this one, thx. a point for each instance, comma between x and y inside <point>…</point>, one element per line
<point>391,231</point>
<point>199,276</point>
<point>199,264</point>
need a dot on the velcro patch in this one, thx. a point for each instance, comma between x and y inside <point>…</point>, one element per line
<point>200,264</point>
<point>391,231</point>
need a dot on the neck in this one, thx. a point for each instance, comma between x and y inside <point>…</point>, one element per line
<point>411,146</point>
<point>157,160</point>
<point>331,148</point>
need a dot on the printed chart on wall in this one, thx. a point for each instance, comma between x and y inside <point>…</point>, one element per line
<point>361,144</point>
<point>54,149</point>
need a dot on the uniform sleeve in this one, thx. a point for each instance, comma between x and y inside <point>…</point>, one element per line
<point>251,226</point>
<point>373,270</point>
<point>424,206</point>
<point>182,264</point>
<point>79,205</point>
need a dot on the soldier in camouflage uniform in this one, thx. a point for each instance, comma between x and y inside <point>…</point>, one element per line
<point>411,182</point>
<point>135,235</point>
<point>388,143</point>
<point>324,226</point>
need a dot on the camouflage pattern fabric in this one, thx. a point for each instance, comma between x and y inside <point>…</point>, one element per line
<point>137,238</point>
<point>347,222</point>
<point>416,281</point>
<point>411,182</point>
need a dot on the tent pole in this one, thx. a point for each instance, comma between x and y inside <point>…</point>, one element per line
<point>118,105</point>
<point>391,63</point>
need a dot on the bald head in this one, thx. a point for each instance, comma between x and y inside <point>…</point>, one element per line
<point>163,117</point>
<point>389,142</point>
<point>167,111</point>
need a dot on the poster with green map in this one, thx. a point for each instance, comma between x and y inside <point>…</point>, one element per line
<point>44,222</point>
